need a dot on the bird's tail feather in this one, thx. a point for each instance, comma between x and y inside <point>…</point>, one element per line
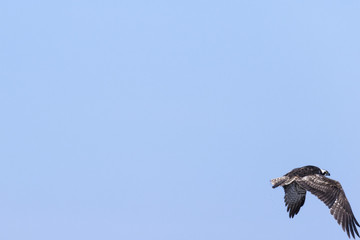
<point>278,181</point>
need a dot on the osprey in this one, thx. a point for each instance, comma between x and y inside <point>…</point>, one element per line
<point>314,180</point>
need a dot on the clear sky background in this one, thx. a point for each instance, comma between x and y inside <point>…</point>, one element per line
<point>165,120</point>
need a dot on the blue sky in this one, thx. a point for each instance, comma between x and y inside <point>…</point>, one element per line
<point>164,120</point>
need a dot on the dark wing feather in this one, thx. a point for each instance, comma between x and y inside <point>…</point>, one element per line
<point>294,198</point>
<point>332,194</point>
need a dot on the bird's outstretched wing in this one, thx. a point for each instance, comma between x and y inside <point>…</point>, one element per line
<point>294,198</point>
<point>332,194</point>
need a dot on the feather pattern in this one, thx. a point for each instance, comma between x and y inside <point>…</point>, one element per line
<point>294,198</point>
<point>329,191</point>
<point>332,194</point>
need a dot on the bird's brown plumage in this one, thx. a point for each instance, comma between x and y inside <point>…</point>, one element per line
<point>332,194</point>
<point>312,179</point>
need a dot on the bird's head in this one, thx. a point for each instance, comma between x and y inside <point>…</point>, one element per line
<point>325,172</point>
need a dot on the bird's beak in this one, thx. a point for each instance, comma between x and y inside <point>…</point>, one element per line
<point>327,173</point>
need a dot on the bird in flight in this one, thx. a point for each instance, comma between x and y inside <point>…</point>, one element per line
<point>313,179</point>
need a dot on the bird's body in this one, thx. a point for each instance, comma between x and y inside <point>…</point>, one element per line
<point>314,180</point>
